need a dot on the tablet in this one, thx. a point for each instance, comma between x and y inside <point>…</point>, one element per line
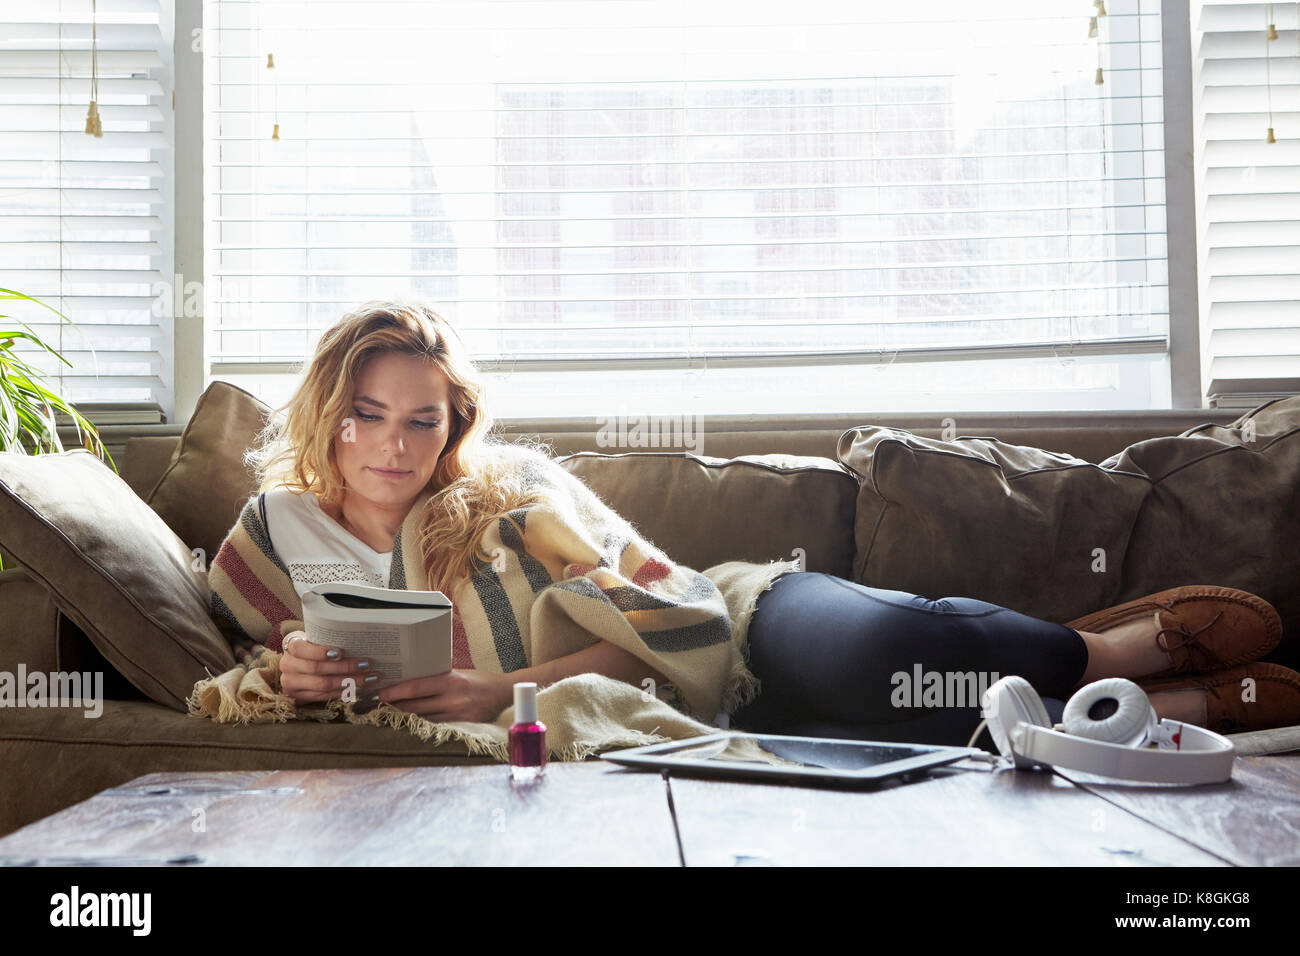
<point>777,757</point>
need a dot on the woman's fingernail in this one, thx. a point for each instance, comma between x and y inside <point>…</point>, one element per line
<point>332,654</point>
<point>362,665</point>
<point>371,679</point>
<point>373,699</point>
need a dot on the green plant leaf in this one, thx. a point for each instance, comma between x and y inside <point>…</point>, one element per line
<point>8,419</point>
<point>37,429</point>
<point>27,407</point>
<point>11,336</point>
<point>11,294</point>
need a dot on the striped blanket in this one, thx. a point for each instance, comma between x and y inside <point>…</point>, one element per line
<point>562,576</point>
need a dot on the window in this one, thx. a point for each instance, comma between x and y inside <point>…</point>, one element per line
<point>708,206</point>
<point>1248,198</point>
<point>84,220</point>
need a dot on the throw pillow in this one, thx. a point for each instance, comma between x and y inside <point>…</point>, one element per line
<point>114,568</point>
<point>208,467</point>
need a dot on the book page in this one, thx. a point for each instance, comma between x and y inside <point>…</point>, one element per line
<point>402,643</point>
<point>397,652</point>
<point>381,645</point>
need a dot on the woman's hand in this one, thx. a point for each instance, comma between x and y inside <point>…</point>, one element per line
<point>472,695</point>
<point>308,674</point>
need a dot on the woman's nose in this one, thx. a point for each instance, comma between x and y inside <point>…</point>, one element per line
<point>393,441</point>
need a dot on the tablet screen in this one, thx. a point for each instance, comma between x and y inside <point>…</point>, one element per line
<point>785,751</point>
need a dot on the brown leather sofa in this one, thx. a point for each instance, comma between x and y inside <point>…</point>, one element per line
<point>757,492</point>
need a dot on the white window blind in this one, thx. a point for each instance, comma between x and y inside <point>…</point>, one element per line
<point>83,219</point>
<point>774,195</point>
<point>1248,199</point>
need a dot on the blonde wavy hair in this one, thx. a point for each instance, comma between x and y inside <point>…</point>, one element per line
<point>473,483</point>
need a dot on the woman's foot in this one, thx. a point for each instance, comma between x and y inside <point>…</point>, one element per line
<point>1188,706</point>
<point>1254,696</point>
<point>1191,629</point>
<point>1127,650</point>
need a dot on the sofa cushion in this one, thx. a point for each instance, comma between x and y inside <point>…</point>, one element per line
<point>1223,508</point>
<point>1041,532</point>
<point>1055,537</point>
<point>113,567</point>
<point>702,511</point>
<point>208,466</point>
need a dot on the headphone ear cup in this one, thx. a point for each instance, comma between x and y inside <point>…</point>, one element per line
<point>1009,702</point>
<point>1129,725</point>
<point>1030,703</point>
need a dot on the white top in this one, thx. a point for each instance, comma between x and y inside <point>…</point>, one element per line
<point>317,549</point>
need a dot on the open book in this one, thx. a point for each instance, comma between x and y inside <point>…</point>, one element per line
<point>406,634</point>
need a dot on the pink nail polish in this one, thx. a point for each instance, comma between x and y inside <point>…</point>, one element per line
<point>527,736</point>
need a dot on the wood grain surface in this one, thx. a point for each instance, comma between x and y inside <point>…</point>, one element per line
<point>1252,820</point>
<point>578,814</point>
<point>949,818</point>
<point>593,813</point>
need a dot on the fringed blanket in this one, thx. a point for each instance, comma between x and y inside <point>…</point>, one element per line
<point>562,576</point>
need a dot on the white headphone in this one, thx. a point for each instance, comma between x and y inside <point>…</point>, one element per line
<point>1111,744</point>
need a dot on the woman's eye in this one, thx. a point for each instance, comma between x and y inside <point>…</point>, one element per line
<point>423,426</point>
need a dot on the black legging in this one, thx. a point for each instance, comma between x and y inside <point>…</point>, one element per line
<point>827,652</point>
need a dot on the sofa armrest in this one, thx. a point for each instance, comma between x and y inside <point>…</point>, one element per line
<point>31,619</point>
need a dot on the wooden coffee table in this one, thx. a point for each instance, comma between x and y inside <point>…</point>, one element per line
<point>595,813</point>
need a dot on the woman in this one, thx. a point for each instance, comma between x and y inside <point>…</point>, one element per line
<point>827,652</point>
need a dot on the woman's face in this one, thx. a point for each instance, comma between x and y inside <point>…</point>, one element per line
<point>400,420</point>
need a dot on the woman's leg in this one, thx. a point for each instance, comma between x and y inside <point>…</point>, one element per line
<point>839,659</point>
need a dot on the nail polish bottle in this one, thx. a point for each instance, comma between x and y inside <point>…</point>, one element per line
<point>527,736</point>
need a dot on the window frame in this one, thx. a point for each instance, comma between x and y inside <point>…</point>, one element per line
<point>1185,350</point>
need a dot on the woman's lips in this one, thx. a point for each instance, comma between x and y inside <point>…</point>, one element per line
<point>384,473</point>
